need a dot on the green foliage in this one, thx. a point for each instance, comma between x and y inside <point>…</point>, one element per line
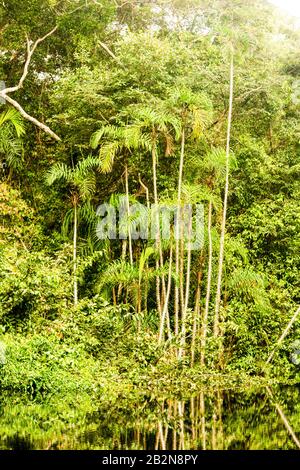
<point>81,177</point>
<point>143,86</point>
<point>11,131</point>
<point>42,364</point>
<point>32,287</point>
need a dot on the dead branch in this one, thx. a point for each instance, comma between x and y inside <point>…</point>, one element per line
<point>27,116</point>
<point>284,419</point>
<point>106,48</point>
<point>5,92</point>
<point>284,334</point>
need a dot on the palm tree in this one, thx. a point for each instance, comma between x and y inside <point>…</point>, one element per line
<point>159,124</point>
<point>194,112</point>
<point>114,140</point>
<point>148,126</point>
<point>81,179</point>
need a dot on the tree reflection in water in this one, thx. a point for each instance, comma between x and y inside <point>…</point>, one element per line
<point>260,419</point>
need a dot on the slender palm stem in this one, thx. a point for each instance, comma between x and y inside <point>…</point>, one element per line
<point>208,285</point>
<point>197,310</point>
<point>75,255</point>
<point>223,227</point>
<point>177,233</point>
<point>159,297</point>
<point>165,309</point>
<point>187,292</point>
<point>128,216</point>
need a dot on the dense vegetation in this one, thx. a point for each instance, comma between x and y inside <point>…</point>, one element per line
<point>164,102</point>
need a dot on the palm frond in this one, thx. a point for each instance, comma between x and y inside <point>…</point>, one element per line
<point>86,165</point>
<point>68,219</point>
<point>145,255</point>
<point>12,116</point>
<point>107,155</point>
<point>250,285</point>
<point>96,138</point>
<point>215,162</point>
<point>86,184</point>
<point>57,172</point>
<point>11,147</point>
<point>87,213</point>
<point>235,246</point>
<point>109,132</point>
<point>119,272</point>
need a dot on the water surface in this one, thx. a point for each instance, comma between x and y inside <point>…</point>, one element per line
<point>242,420</point>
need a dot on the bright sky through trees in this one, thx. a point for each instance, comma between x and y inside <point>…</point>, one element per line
<point>290,6</point>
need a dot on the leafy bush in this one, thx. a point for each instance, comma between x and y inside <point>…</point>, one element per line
<point>31,287</point>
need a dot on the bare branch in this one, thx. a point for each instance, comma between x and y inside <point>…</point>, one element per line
<point>30,52</point>
<point>106,48</point>
<point>5,91</point>
<point>284,419</point>
<point>284,334</point>
<point>27,116</point>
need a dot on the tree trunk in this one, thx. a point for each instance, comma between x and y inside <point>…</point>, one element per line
<point>187,291</point>
<point>203,423</point>
<point>208,287</point>
<point>223,228</point>
<point>123,257</point>
<point>146,264</point>
<point>197,310</point>
<point>177,233</point>
<point>165,309</point>
<point>159,298</point>
<point>75,255</point>
<point>128,216</point>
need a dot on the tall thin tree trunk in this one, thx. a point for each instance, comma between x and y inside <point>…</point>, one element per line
<point>123,257</point>
<point>157,286</point>
<point>220,421</point>
<point>284,419</point>
<point>114,296</point>
<point>203,423</point>
<point>181,267</point>
<point>181,425</point>
<point>75,255</point>
<point>165,309</point>
<point>197,310</point>
<point>146,264</point>
<point>208,286</point>
<point>174,428</point>
<point>187,291</point>
<point>287,329</point>
<point>161,436</point>
<point>128,215</point>
<point>223,228</point>
<point>177,233</point>
<point>159,297</point>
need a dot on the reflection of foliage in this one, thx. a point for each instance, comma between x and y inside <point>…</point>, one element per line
<point>152,98</point>
<point>233,420</point>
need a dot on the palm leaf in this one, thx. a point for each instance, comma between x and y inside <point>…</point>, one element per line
<point>145,255</point>
<point>119,272</point>
<point>107,155</point>
<point>11,147</point>
<point>12,116</point>
<point>57,172</point>
<point>86,184</point>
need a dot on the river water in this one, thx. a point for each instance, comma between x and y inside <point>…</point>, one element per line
<point>236,420</point>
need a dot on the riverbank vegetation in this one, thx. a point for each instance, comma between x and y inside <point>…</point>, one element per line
<point>150,102</point>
